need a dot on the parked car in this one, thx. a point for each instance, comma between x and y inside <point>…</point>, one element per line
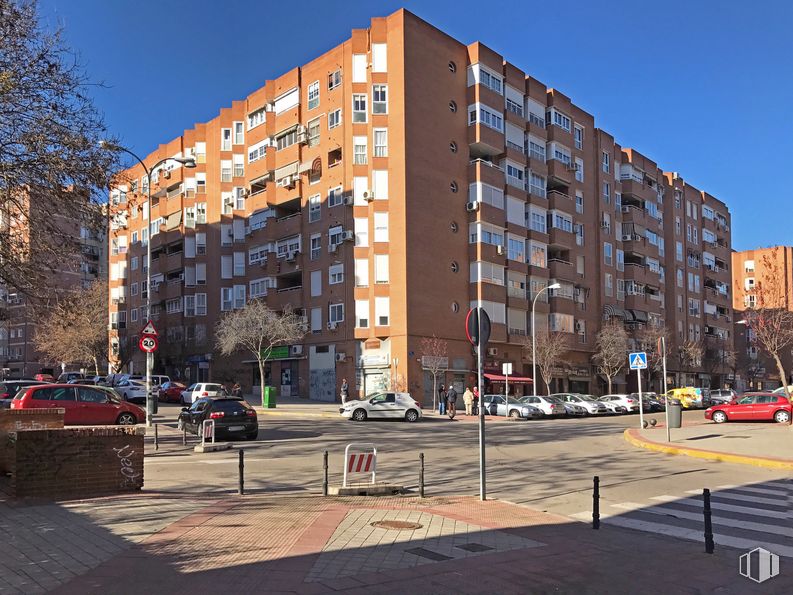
<point>650,402</point>
<point>590,404</point>
<point>232,417</point>
<point>753,407</point>
<point>690,397</point>
<point>133,391</point>
<point>83,404</point>
<point>201,389</point>
<point>550,406</point>
<point>631,404</point>
<point>83,381</point>
<point>44,377</point>
<point>614,408</point>
<point>67,376</point>
<point>781,390</point>
<point>497,405</point>
<point>383,406</point>
<point>721,396</point>
<point>100,380</point>
<point>574,409</point>
<point>171,392</point>
<point>9,389</point>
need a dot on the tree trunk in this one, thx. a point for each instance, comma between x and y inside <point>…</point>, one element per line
<point>96,366</point>
<point>434,391</point>
<point>547,386</point>
<point>780,368</point>
<point>609,381</point>
<point>261,379</point>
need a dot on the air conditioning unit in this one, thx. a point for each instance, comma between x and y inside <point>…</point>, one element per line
<point>302,135</point>
<point>333,248</point>
<point>341,356</point>
<point>500,250</point>
<point>492,351</point>
<point>368,196</point>
<point>472,206</point>
<point>626,209</point>
<point>332,326</point>
<point>290,256</point>
<point>296,350</point>
<point>626,237</point>
<point>348,200</point>
<point>579,326</point>
<point>348,236</point>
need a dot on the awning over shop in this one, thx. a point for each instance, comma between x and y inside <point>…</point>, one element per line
<point>639,315</point>
<point>512,379</point>
<point>612,311</point>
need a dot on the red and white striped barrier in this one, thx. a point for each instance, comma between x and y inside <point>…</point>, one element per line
<point>208,431</point>
<point>362,459</point>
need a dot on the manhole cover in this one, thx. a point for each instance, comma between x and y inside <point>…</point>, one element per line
<point>397,525</point>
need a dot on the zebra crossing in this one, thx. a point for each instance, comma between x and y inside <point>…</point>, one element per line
<point>744,517</point>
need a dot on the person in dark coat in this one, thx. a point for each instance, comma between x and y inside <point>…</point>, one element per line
<point>441,399</point>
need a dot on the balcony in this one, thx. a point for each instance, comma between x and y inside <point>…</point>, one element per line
<point>562,172</point>
<point>560,200</point>
<point>484,141</point>
<point>560,237</point>
<point>634,214</point>
<point>635,188</point>
<point>287,225</point>
<point>481,170</point>
<point>561,268</point>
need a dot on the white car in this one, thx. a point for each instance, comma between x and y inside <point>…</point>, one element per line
<point>589,403</point>
<point>630,403</point>
<point>550,406</point>
<point>383,406</point>
<point>133,391</point>
<point>201,389</point>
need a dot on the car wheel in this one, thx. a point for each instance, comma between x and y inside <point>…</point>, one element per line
<point>719,417</point>
<point>514,414</point>
<point>359,415</point>
<point>126,419</point>
<point>782,417</point>
<point>411,416</point>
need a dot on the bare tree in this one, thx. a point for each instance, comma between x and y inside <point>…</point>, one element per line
<point>75,329</point>
<point>49,149</point>
<point>550,347</point>
<point>651,339</point>
<point>690,353</point>
<point>434,359</point>
<point>770,322</point>
<point>611,353</point>
<point>257,328</point>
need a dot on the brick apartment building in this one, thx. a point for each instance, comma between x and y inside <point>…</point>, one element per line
<point>369,187</point>
<point>81,264</point>
<point>751,268</point>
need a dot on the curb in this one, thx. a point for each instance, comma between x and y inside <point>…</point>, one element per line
<point>632,438</point>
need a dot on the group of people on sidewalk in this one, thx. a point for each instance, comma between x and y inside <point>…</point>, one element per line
<point>447,400</point>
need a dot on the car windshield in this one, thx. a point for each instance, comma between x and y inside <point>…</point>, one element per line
<point>553,399</point>
<point>229,405</point>
<point>209,387</point>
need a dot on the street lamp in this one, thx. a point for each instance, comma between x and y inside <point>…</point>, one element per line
<point>188,162</point>
<point>534,335</point>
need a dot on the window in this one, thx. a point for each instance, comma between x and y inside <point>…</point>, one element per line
<point>479,192</point>
<point>578,136</point>
<point>359,108</point>
<point>239,133</point>
<point>335,313</point>
<point>537,185</point>
<point>134,263</point>
<point>381,227</point>
<point>334,119</point>
<point>538,254</point>
<point>226,299</point>
<point>607,192</point>
<point>359,68</point>
<point>606,162</point>
<point>313,132</point>
<point>579,202</point>
<point>516,249</point>
<point>335,196</point>
<point>239,264</point>
<point>380,142</point>
<point>316,246</point>
<point>133,315</point>
<point>491,81</point>
<point>382,307</point>
<point>359,150</point>
<point>514,175</point>
<point>620,260</point>
<point>256,118</point>
<point>608,257</point>
<point>478,113</point>
<point>536,149</point>
<point>380,99</point>
<point>225,171</point>
<point>286,139</point>
<point>579,169</point>
<point>334,79</point>
<point>486,234</point>
<point>173,305</point>
<point>239,296</point>
<point>335,236</point>
<point>225,139</point>
<point>380,184</point>
<point>679,251</point>
<point>609,284</point>
<point>336,274</point>
<point>313,95</point>
<point>314,208</point>
<point>362,313</point>
<point>538,221</point>
<point>515,108</point>
<point>239,200</point>
<point>381,268</point>
<point>316,283</point>
<point>361,227</point>
<point>552,116</point>
<point>561,221</point>
<point>361,272</point>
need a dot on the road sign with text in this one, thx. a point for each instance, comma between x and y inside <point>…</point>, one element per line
<point>148,343</point>
<point>638,360</point>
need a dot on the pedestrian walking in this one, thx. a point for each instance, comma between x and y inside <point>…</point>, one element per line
<point>236,391</point>
<point>476,400</point>
<point>451,401</point>
<point>468,399</point>
<point>441,400</point>
<point>345,389</point>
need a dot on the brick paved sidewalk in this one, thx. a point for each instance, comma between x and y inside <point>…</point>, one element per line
<point>278,544</point>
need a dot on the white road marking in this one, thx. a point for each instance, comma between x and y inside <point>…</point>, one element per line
<point>745,497</point>
<point>721,506</point>
<point>755,490</point>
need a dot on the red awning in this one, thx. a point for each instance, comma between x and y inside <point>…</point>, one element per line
<point>513,379</point>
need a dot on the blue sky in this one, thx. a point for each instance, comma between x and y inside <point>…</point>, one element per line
<point>703,87</point>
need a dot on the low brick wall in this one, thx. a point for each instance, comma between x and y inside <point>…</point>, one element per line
<point>75,462</point>
<point>15,420</point>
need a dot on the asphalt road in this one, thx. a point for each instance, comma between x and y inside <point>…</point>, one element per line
<point>546,464</point>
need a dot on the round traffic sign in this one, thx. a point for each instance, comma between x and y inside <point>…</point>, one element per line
<point>148,344</point>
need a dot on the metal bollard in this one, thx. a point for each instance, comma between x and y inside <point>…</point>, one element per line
<point>596,503</point>
<point>241,489</point>
<point>421,475</point>
<point>156,437</point>
<point>708,522</point>
<point>325,473</point>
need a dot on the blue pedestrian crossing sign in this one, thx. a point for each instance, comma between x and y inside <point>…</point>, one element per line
<point>638,360</point>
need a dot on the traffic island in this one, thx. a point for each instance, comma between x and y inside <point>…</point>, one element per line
<point>367,489</point>
<point>213,446</point>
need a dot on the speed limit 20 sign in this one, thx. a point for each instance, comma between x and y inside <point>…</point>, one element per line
<point>148,344</point>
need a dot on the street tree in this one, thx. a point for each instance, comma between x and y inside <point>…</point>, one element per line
<point>257,328</point>
<point>550,347</point>
<point>53,167</point>
<point>73,330</point>
<point>770,322</point>
<point>651,340</point>
<point>434,359</point>
<point>690,353</point>
<point>611,351</point>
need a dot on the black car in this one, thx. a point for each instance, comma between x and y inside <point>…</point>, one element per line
<point>9,388</point>
<point>232,417</point>
<point>67,377</point>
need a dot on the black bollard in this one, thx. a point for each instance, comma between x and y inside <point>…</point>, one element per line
<point>421,475</point>
<point>708,522</point>
<point>156,437</point>
<point>325,473</point>
<point>241,489</point>
<point>596,503</point>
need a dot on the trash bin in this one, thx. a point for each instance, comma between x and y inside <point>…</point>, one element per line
<point>675,413</point>
<point>268,400</point>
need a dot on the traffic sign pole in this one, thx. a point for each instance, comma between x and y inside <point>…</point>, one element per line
<point>506,369</point>
<point>641,403</point>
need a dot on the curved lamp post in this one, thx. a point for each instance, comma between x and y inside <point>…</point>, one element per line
<point>534,335</point>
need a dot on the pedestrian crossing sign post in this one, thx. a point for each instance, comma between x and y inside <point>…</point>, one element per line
<point>638,362</point>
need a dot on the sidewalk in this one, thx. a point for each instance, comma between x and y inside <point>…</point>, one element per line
<point>759,444</point>
<point>279,544</point>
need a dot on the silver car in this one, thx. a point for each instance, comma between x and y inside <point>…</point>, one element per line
<point>589,403</point>
<point>496,405</point>
<point>550,406</point>
<point>574,409</point>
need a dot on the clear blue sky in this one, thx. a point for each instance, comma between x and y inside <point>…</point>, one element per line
<point>703,87</point>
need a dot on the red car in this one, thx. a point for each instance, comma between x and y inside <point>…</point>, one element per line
<point>752,406</point>
<point>44,377</point>
<point>88,405</point>
<point>171,392</point>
